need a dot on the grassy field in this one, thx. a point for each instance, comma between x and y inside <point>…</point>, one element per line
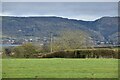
<point>60,68</point>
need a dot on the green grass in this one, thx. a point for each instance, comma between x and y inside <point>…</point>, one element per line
<point>60,68</point>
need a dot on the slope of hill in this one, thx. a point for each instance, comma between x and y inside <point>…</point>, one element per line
<point>100,29</point>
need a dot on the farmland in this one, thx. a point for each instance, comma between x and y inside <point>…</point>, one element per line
<point>60,68</point>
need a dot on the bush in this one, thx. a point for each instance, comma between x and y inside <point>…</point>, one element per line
<point>84,53</point>
<point>18,52</point>
<point>6,52</point>
<point>25,51</point>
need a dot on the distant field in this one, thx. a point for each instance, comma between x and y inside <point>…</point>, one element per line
<point>60,68</point>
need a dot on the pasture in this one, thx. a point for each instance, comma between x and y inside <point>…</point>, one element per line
<point>60,68</point>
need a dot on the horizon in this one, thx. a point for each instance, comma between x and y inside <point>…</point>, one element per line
<point>57,17</point>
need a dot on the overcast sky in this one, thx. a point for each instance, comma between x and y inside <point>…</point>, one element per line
<point>73,10</point>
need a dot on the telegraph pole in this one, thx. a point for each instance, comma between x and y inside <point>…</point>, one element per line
<point>51,50</point>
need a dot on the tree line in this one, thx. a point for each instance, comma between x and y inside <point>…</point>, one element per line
<point>80,42</point>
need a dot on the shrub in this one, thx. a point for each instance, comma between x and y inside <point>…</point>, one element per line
<point>26,50</point>
<point>84,53</point>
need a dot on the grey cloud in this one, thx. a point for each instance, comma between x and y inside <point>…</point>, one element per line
<point>67,9</point>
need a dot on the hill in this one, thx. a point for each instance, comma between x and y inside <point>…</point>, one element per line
<point>101,29</point>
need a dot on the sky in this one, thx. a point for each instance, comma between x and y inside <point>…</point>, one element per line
<point>87,11</point>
